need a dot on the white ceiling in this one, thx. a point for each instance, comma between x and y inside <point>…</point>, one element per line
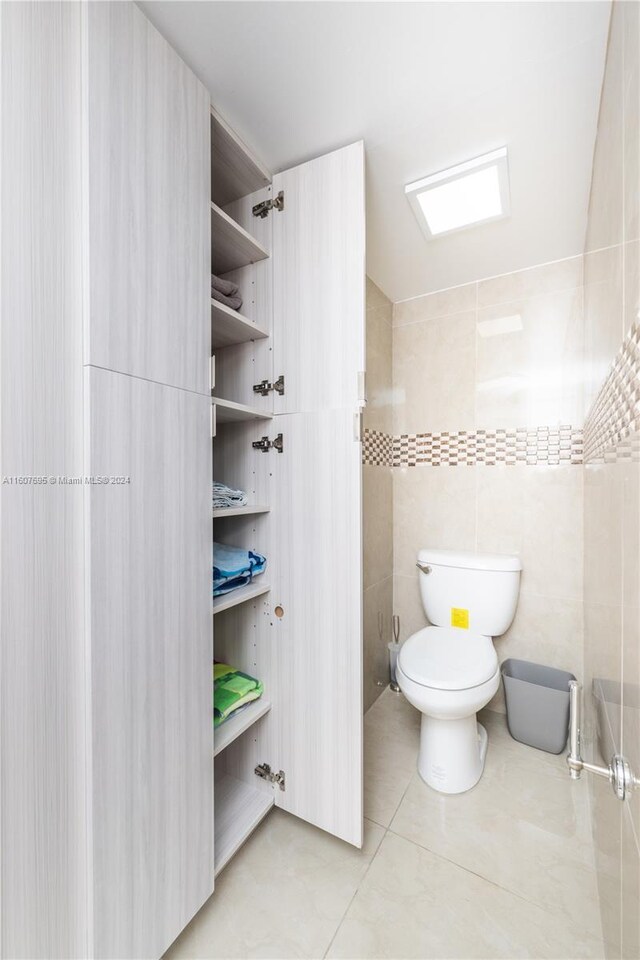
<point>426,85</point>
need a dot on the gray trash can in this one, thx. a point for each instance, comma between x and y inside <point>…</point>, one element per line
<point>537,704</point>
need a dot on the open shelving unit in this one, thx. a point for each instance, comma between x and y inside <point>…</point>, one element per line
<point>239,808</point>
<point>222,512</point>
<point>240,595</point>
<point>235,171</point>
<point>231,245</point>
<point>233,728</point>
<point>242,358</point>
<point>229,327</point>
<point>229,412</point>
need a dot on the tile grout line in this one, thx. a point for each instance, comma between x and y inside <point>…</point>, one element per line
<point>355,892</point>
<point>493,883</point>
<point>499,276</point>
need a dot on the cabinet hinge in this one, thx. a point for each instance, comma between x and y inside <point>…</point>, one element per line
<point>264,387</point>
<point>264,444</point>
<point>263,209</point>
<point>264,771</point>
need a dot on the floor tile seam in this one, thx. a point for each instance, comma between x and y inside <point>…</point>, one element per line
<point>399,804</point>
<point>358,885</point>
<point>534,903</point>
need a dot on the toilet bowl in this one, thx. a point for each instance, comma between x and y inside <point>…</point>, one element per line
<point>450,670</point>
<point>449,677</point>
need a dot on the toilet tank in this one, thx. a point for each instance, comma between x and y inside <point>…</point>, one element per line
<point>474,591</point>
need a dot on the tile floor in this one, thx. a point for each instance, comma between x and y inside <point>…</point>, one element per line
<point>505,870</point>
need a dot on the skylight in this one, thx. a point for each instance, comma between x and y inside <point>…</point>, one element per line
<point>466,195</point>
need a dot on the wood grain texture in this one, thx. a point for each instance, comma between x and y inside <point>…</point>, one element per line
<point>244,635</point>
<point>235,172</point>
<point>240,808</point>
<point>227,601</point>
<point>224,513</point>
<point>148,133</point>
<point>229,327</point>
<point>318,253</point>
<point>231,245</point>
<point>229,412</point>
<point>239,367</point>
<point>316,575</point>
<point>151,655</point>
<point>235,726</point>
<point>43,858</point>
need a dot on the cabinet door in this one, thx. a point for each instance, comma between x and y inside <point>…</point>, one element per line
<point>318,282</point>
<point>43,861</point>
<point>317,580</point>
<point>148,182</point>
<point>149,590</point>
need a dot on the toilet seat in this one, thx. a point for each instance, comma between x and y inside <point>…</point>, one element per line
<point>448,658</point>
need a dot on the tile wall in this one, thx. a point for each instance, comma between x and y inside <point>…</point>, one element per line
<point>612,478</point>
<point>487,453</point>
<point>378,496</point>
<point>505,416</point>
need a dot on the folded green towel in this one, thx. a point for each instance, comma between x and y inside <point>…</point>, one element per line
<point>232,689</point>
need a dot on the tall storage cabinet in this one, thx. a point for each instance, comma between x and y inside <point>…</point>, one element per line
<point>106,786</point>
<point>121,192</point>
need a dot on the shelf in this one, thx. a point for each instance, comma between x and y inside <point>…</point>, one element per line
<point>240,595</point>
<point>231,245</point>
<point>235,173</point>
<point>238,511</point>
<point>229,327</point>
<point>229,412</point>
<point>236,726</point>
<point>239,808</point>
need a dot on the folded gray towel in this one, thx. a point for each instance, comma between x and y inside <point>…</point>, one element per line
<point>234,302</point>
<point>226,287</point>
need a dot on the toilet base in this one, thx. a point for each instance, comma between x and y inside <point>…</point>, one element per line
<point>452,753</point>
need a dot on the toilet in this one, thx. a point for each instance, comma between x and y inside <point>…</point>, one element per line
<point>450,670</point>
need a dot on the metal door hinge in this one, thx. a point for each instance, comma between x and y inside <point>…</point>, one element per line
<point>264,771</point>
<point>263,209</point>
<point>618,772</point>
<point>264,387</point>
<point>264,444</point>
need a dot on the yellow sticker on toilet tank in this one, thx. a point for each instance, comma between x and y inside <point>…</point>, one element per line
<point>459,618</point>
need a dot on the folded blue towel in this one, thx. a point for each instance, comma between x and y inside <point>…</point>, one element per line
<point>234,567</point>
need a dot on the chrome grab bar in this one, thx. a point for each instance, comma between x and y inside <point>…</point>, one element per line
<point>618,772</point>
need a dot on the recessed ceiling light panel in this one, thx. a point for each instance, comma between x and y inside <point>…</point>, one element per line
<point>466,195</point>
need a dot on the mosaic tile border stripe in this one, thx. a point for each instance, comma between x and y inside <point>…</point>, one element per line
<point>377,448</point>
<point>614,417</point>
<point>552,446</point>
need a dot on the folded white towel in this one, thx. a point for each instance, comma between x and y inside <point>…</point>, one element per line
<point>224,496</point>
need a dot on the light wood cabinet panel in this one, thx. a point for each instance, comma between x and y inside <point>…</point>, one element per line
<point>318,252</point>
<point>43,861</point>
<point>148,172</point>
<point>316,576</point>
<point>149,599</point>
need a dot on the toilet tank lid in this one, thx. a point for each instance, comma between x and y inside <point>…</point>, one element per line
<point>470,561</point>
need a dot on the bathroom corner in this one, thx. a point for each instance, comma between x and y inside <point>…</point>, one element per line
<point>377,495</point>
